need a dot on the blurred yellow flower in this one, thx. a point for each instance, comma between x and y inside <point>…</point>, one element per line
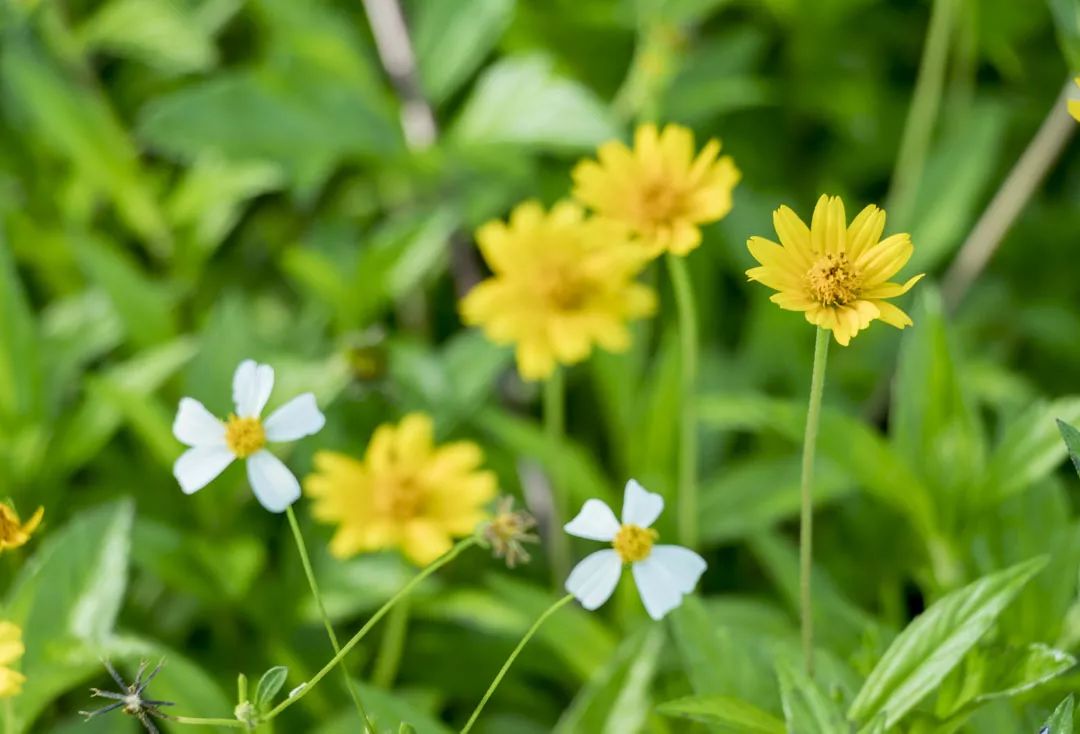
<point>11,649</point>
<point>1074,105</point>
<point>560,283</point>
<point>407,492</point>
<point>660,189</point>
<point>13,532</point>
<point>835,273</point>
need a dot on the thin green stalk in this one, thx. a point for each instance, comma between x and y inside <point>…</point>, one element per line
<point>923,113</point>
<point>806,524</point>
<point>9,716</point>
<point>391,647</point>
<point>195,721</point>
<point>355,639</point>
<point>513,656</point>
<point>688,343</point>
<point>310,573</point>
<point>555,430</point>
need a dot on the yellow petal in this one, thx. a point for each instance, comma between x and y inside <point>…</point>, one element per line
<point>423,541</point>
<point>414,439</point>
<point>892,315</point>
<point>884,260</point>
<point>534,359</point>
<point>778,258</point>
<point>11,682</point>
<point>865,231</point>
<point>794,235</point>
<point>11,646</point>
<point>891,290</point>
<point>828,228</point>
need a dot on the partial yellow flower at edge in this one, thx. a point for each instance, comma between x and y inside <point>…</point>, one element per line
<point>407,492</point>
<point>11,650</point>
<point>836,274</point>
<point>660,188</point>
<point>561,283</point>
<point>1074,105</point>
<point>13,532</point>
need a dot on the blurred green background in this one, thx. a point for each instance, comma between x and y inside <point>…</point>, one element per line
<point>187,183</point>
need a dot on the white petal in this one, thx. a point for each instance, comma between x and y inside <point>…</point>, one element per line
<point>596,521</point>
<point>197,426</point>
<point>295,419</point>
<point>273,484</point>
<point>594,579</point>
<point>640,506</point>
<point>665,576</point>
<point>251,387</point>
<point>198,466</point>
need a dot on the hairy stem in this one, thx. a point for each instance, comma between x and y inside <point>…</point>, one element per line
<point>310,573</point>
<point>513,656</point>
<point>806,519</point>
<point>688,343</point>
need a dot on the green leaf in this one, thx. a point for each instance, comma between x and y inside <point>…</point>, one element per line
<point>452,39</point>
<point>806,708</point>
<point>617,697</point>
<point>756,494</point>
<point>997,672</point>
<point>1066,14</point>
<point>848,442</point>
<point>19,347</point>
<point>144,306</point>
<point>1061,721</point>
<point>269,685</point>
<point>75,122</point>
<point>66,599</point>
<point>1030,448</point>
<point>747,671</point>
<point>727,715</point>
<point>160,33</point>
<point>1071,436</point>
<point>935,642</point>
<point>522,101</point>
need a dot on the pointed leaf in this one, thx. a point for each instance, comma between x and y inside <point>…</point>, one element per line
<point>1071,436</point>
<point>807,709</point>
<point>1061,721</point>
<point>936,641</point>
<point>727,715</point>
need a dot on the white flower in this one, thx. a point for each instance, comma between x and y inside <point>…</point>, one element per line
<point>663,573</point>
<point>215,443</point>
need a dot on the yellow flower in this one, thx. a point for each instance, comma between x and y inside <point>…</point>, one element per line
<point>11,649</point>
<point>660,189</point>
<point>407,492</point>
<point>14,533</point>
<point>560,284</point>
<point>835,273</point>
<point>1074,105</point>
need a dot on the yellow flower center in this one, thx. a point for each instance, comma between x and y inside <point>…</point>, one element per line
<point>400,498</point>
<point>244,436</point>
<point>634,543</point>
<point>833,282</point>
<point>9,524</point>
<point>658,202</point>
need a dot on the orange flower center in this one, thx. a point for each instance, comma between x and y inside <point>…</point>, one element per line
<point>634,543</point>
<point>244,436</point>
<point>400,498</point>
<point>562,289</point>
<point>658,202</point>
<point>833,282</point>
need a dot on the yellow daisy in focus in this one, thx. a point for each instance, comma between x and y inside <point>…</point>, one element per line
<point>835,273</point>
<point>11,650</point>
<point>13,532</point>
<point>660,189</point>
<point>561,283</point>
<point>406,493</point>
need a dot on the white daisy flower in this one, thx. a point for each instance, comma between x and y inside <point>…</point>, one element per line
<point>663,573</point>
<point>215,443</point>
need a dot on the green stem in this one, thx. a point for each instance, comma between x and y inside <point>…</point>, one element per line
<point>925,102</point>
<point>310,573</point>
<point>355,639</point>
<point>510,660</point>
<point>555,430</point>
<point>195,721</point>
<point>688,343</point>
<point>9,716</point>
<point>806,525</point>
<point>391,647</point>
